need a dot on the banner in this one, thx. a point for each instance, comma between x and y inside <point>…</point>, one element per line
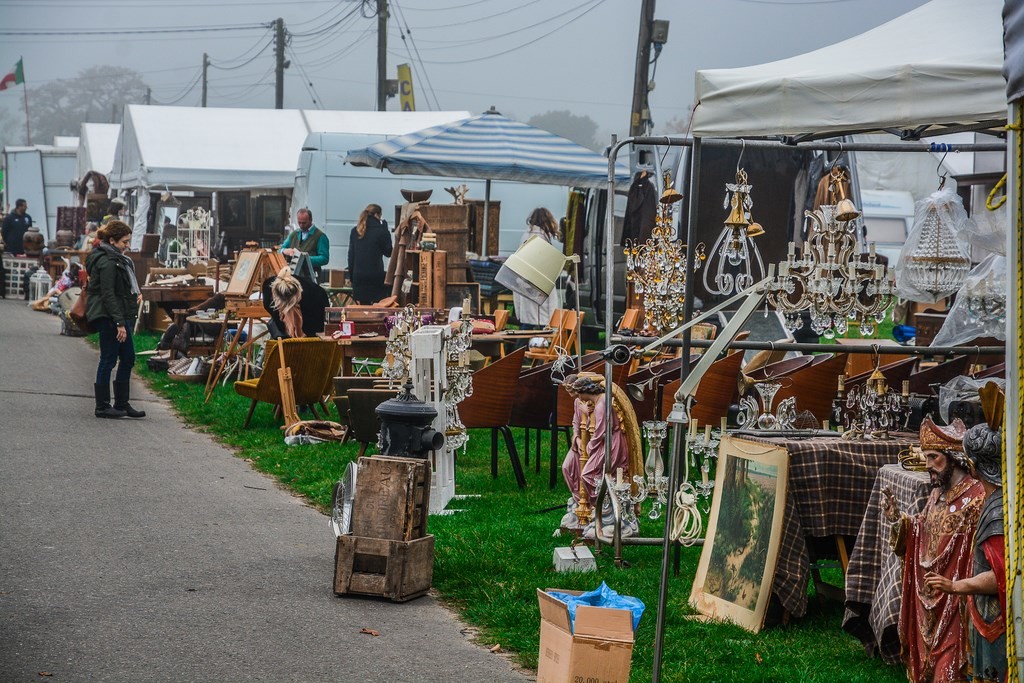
<point>405,93</point>
<point>16,77</point>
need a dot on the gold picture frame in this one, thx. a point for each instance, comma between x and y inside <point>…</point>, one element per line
<point>737,563</point>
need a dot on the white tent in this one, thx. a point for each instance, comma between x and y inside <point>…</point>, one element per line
<point>207,148</point>
<point>96,145</point>
<point>940,64</point>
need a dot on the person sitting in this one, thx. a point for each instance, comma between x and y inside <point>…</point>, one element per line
<point>296,305</point>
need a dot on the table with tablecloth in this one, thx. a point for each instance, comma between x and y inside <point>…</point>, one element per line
<point>829,485</point>
<point>874,589</point>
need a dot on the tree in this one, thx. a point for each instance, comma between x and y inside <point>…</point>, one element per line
<point>580,129</point>
<point>97,94</point>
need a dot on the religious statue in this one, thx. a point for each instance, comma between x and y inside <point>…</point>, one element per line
<point>584,464</point>
<point>936,543</point>
<point>986,588</point>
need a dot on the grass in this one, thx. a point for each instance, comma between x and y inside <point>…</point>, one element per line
<point>491,558</point>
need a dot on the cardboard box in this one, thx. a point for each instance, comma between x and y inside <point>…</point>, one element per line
<point>600,648</point>
<point>336,278</point>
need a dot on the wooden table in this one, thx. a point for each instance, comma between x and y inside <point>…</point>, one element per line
<point>340,296</point>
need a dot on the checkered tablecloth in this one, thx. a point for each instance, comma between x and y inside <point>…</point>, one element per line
<point>874,577</point>
<point>829,487</point>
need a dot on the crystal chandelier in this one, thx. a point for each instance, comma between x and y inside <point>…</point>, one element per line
<point>734,250</point>
<point>986,304</point>
<point>872,409</point>
<point>657,268</point>
<point>397,362</point>
<point>837,285</point>
<point>939,262</point>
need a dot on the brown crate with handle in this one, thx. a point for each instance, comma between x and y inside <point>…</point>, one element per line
<point>392,498</point>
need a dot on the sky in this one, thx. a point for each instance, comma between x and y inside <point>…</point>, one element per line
<point>525,57</point>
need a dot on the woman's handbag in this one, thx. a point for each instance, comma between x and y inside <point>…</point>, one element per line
<point>77,312</point>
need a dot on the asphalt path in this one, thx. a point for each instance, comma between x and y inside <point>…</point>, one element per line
<point>139,550</point>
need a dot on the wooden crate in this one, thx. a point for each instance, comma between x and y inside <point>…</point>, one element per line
<point>396,570</point>
<point>450,222</point>
<point>392,498</point>
<point>428,277</point>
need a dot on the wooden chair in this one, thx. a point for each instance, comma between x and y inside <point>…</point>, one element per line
<point>490,406</point>
<point>310,361</point>
<point>363,422</point>
<point>564,335</point>
<point>921,382</point>
<point>715,393</point>
<point>343,384</point>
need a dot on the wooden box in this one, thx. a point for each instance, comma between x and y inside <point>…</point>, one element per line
<point>450,222</point>
<point>336,278</point>
<point>396,570</point>
<point>392,498</point>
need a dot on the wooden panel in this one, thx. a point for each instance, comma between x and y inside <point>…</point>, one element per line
<point>494,388</point>
<point>391,498</point>
<point>476,225</point>
<point>397,570</point>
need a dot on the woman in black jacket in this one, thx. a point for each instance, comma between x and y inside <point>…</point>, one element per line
<point>368,246</point>
<point>112,307</point>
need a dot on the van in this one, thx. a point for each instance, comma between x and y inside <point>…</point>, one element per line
<point>337,192</point>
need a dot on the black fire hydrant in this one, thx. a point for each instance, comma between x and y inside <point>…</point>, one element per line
<point>406,426</point>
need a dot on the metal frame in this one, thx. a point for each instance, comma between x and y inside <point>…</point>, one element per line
<point>696,144</point>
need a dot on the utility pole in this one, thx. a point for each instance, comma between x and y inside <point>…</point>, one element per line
<point>279,50</point>
<point>149,95</point>
<point>206,65</point>
<point>382,55</point>
<point>640,115</point>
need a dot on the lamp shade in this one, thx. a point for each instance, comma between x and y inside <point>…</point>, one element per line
<point>532,270</point>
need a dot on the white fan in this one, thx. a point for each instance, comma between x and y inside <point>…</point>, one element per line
<point>341,501</point>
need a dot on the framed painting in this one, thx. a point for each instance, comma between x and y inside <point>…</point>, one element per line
<point>243,277</point>
<point>233,210</point>
<point>737,563</point>
<point>273,217</point>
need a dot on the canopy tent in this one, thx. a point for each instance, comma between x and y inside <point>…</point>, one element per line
<point>489,147</point>
<point>96,147</point>
<point>208,148</point>
<point>936,68</point>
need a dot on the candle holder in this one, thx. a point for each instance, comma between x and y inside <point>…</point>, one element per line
<point>754,414</point>
<point>703,448</point>
<point>653,483</point>
<point>871,410</point>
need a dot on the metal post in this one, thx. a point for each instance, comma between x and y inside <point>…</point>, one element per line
<point>640,114</point>
<point>279,69</point>
<point>206,65</point>
<point>382,55</point>
<point>487,212</point>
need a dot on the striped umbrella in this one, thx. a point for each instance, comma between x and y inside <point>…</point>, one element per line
<point>489,147</point>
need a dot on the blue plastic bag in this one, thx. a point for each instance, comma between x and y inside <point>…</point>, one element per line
<point>602,596</point>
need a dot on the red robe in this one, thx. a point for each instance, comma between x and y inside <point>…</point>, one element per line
<point>933,630</point>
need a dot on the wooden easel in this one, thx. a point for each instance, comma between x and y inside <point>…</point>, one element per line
<point>253,266</point>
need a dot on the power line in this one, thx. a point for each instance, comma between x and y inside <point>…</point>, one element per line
<point>333,57</point>
<point>484,18</point>
<point>222,64</point>
<point>190,88</point>
<point>267,43</point>
<point>594,4</point>
<point>328,27</point>
<point>442,9</point>
<point>307,81</point>
<point>78,5</point>
<point>134,31</point>
<point>423,68</point>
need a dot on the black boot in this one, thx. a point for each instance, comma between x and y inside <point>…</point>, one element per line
<point>103,408</point>
<point>121,394</point>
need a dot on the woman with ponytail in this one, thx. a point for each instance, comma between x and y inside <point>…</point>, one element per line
<point>296,305</point>
<point>112,307</point>
<point>368,245</point>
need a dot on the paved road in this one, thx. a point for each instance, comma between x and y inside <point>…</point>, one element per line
<point>142,551</point>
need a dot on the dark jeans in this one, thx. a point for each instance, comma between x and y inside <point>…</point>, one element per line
<point>112,351</point>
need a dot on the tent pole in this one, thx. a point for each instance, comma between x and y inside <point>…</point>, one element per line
<point>487,212</point>
<point>1012,442</point>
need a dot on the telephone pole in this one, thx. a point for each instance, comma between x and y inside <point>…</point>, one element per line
<point>149,95</point>
<point>382,55</point>
<point>641,115</point>
<point>279,51</point>
<point>206,65</point>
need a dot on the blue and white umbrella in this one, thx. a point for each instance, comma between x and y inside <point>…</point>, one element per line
<point>489,147</point>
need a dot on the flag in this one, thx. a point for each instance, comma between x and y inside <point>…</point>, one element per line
<point>16,77</point>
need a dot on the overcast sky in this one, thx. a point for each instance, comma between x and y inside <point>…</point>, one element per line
<point>525,57</point>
